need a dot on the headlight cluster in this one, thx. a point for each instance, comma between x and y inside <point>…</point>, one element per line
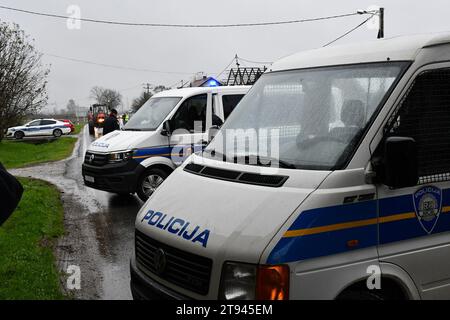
<point>120,156</point>
<point>241,281</point>
<point>238,281</point>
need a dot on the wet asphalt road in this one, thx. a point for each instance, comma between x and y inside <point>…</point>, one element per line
<point>99,228</point>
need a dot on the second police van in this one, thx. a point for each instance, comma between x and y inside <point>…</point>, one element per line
<point>157,138</point>
<point>335,184</point>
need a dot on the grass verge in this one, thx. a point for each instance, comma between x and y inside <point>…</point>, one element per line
<point>27,263</point>
<point>15,154</point>
<point>78,128</point>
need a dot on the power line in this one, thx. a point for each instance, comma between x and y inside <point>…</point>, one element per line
<point>225,69</point>
<point>115,66</point>
<point>257,62</point>
<point>350,31</point>
<point>123,23</point>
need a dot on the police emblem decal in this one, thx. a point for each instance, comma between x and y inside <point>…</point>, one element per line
<point>428,205</point>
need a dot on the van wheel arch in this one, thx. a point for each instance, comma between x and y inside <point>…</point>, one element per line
<point>158,169</point>
<point>391,289</point>
<point>163,167</point>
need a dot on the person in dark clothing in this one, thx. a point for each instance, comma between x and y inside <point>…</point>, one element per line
<point>10,194</point>
<point>111,123</point>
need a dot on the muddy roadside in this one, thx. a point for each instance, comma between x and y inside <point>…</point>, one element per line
<point>99,228</point>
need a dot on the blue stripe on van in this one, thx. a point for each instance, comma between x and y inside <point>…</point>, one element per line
<point>325,231</point>
<point>163,151</point>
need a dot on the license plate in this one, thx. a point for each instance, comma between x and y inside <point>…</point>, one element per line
<point>89,179</point>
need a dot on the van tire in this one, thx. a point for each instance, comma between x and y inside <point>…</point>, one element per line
<point>149,181</point>
<point>57,133</point>
<point>19,135</point>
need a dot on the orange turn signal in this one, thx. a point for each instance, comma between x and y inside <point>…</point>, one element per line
<point>272,282</point>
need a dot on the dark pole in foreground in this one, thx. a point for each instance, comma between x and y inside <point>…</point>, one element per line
<point>381,27</point>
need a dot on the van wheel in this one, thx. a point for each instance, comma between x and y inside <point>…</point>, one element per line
<point>19,135</point>
<point>57,133</point>
<point>149,181</point>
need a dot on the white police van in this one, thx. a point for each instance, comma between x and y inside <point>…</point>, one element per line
<point>358,208</point>
<point>39,127</point>
<point>163,132</point>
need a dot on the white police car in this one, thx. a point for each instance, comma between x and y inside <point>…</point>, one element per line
<point>39,127</point>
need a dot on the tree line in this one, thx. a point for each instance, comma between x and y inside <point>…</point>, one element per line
<point>24,79</point>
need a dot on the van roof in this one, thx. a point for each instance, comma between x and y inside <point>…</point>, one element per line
<point>403,48</point>
<point>199,90</point>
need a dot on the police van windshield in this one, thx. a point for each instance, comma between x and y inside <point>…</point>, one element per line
<point>152,114</point>
<point>307,119</point>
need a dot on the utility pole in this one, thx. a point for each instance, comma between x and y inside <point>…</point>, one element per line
<point>147,86</point>
<point>237,61</point>
<point>381,27</point>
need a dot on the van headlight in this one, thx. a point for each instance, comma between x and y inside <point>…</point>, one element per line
<point>238,281</point>
<point>241,281</point>
<point>117,157</point>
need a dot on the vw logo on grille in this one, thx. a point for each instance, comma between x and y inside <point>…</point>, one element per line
<point>91,158</point>
<point>160,261</point>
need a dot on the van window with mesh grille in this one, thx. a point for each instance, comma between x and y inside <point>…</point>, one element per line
<point>310,118</point>
<point>425,116</point>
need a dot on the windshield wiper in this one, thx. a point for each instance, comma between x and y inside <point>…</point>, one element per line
<point>131,129</point>
<point>267,163</point>
<point>269,160</point>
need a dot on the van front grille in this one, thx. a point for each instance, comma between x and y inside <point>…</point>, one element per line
<point>95,159</point>
<point>184,269</point>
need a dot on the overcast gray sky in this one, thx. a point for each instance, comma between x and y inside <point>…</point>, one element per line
<point>193,50</point>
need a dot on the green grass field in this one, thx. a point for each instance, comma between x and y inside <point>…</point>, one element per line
<point>27,263</point>
<point>78,128</point>
<point>15,154</point>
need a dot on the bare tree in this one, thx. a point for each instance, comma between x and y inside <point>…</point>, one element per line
<point>23,79</point>
<point>111,98</point>
<point>160,88</point>
<point>139,101</point>
<point>71,106</point>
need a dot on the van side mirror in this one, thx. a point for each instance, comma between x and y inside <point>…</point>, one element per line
<point>166,131</point>
<point>400,162</point>
<point>216,121</point>
<point>212,132</point>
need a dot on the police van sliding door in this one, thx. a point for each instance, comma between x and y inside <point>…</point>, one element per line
<point>414,222</point>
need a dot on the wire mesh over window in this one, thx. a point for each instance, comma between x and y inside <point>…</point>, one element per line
<point>425,116</point>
